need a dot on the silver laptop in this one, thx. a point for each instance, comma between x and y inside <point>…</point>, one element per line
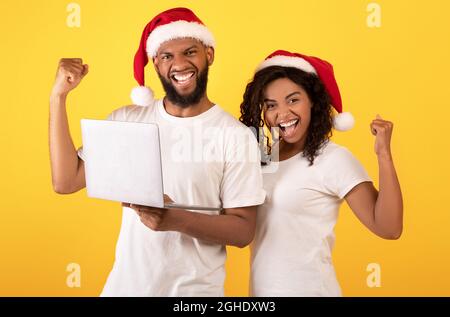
<point>123,163</point>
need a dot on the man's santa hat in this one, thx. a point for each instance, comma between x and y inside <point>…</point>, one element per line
<point>168,25</point>
<point>343,121</point>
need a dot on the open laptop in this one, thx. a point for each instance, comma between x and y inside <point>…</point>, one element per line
<point>123,163</point>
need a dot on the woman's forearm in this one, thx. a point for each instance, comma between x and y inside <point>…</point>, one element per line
<point>388,214</point>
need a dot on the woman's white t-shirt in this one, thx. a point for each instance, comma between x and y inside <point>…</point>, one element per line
<point>211,160</point>
<point>291,252</point>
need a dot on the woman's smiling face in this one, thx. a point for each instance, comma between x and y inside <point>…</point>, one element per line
<point>288,107</point>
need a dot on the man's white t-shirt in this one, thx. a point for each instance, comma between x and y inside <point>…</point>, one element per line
<point>211,159</point>
<point>291,252</point>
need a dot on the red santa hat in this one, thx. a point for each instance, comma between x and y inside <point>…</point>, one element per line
<point>343,121</point>
<point>168,25</point>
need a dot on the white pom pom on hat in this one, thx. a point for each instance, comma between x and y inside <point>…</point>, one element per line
<point>142,96</point>
<point>168,25</point>
<point>343,121</point>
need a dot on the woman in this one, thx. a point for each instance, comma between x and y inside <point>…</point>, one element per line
<point>309,176</point>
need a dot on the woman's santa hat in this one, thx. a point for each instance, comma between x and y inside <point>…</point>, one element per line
<point>343,121</point>
<point>168,25</point>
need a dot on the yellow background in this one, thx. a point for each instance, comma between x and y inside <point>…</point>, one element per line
<point>399,70</point>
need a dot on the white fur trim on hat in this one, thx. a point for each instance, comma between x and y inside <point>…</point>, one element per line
<point>175,30</point>
<point>287,61</point>
<point>343,121</point>
<point>142,96</point>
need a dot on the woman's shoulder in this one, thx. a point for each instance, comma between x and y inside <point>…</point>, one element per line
<point>332,152</point>
<point>331,147</point>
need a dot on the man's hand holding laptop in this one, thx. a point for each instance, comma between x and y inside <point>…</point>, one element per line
<point>157,219</point>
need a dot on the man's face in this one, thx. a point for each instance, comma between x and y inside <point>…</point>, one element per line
<point>182,66</point>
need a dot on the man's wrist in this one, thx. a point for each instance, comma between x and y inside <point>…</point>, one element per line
<point>177,219</point>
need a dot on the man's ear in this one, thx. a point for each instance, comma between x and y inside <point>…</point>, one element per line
<point>210,55</point>
<point>155,61</point>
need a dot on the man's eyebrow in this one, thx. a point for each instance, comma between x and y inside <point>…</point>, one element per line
<point>267,99</point>
<point>187,49</point>
<point>164,53</point>
<point>193,46</point>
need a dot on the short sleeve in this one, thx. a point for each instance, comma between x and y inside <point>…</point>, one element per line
<point>116,115</point>
<point>343,172</point>
<point>242,183</point>
<point>80,153</point>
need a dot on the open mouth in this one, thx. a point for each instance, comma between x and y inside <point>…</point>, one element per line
<point>287,128</point>
<point>182,79</point>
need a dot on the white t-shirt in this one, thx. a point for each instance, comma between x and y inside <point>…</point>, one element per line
<point>210,159</point>
<point>291,252</point>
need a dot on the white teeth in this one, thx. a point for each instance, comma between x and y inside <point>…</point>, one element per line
<point>289,123</point>
<point>183,77</point>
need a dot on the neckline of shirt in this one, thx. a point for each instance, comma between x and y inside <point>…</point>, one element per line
<point>299,154</point>
<point>288,159</point>
<point>187,120</point>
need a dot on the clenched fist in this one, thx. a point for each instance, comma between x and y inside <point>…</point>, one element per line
<point>69,74</point>
<point>382,130</point>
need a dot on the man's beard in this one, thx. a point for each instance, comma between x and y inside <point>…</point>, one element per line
<point>191,99</point>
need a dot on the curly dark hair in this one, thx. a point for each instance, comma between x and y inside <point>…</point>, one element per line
<point>319,130</point>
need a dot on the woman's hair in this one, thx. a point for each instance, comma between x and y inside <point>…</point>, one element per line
<point>319,130</point>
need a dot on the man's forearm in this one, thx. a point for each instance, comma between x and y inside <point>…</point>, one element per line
<point>63,155</point>
<point>223,229</point>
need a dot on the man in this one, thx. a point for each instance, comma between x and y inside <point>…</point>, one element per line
<point>173,252</point>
